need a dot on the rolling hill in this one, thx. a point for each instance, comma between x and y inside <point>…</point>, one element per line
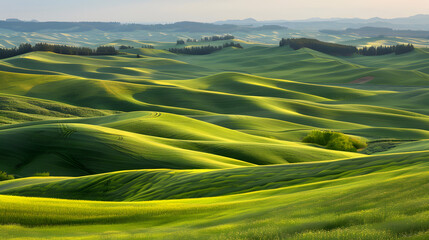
<point>210,147</point>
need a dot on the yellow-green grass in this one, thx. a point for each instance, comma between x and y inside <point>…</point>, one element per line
<point>311,105</point>
<point>15,109</point>
<point>141,185</point>
<point>386,204</point>
<point>141,141</point>
<point>165,128</point>
<point>386,41</point>
<point>274,62</point>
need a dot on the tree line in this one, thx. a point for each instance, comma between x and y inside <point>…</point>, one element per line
<point>217,38</point>
<point>203,50</point>
<point>61,49</point>
<point>344,50</point>
<point>383,50</point>
<point>206,39</point>
<point>325,47</point>
<point>122,47</point>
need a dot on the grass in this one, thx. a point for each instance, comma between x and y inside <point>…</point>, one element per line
<point>210,147</point>
<point>138,185</point>
<point>385,205</point>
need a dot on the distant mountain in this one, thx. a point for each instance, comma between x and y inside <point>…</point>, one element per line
<point>21,26</point>
<point>247,21</point>
<point>375,32</point>
<point>13,20</point>
<point>417,22</point>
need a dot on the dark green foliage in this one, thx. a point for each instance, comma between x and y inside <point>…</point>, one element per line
<point>401,49</point>
<point>203,50</point>
<point>217,38</point>
<point>106,50</point>
<point>212,38</point>
<point>344,50</point>
<point>325,47</point>
<point>138,56</point>
<point>4,176</point>
<point>232,44</point>
<point>180,42</point>
<point>61,49</point>
<point>148,46</point>
<point>125,47</point>
<point>335,140</point>
<point>383,50</point>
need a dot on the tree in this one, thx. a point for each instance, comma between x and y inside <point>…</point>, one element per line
<point>61,49</point>
<point>325,47</point>
<point>4,176</point>
<point>203,50</point>
<point>125,47</point>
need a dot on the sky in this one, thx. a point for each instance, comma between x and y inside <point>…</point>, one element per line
<point>167,11</point>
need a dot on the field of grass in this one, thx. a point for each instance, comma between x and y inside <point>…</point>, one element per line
<point>172,146</point>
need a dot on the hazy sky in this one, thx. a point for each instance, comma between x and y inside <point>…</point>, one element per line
<point>205,10</point>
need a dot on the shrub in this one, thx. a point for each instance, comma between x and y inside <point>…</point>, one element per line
<point>335,140</point>
<point>42,174</point>
<point>342,143</point>
<point>4,176</point>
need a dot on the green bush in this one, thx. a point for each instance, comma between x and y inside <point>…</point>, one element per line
<point>42,174</point>
<point>335,140</point>
<point>342,143</point>
<point>4,176</point>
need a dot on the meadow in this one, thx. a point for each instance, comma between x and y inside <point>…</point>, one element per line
<point>171,146</point>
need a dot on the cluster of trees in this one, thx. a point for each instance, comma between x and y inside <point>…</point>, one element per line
<point>383,50</point>
<point>217,38</point>
<point>148,46</point>
<point>125,47</point>
<point>131,47</point>
<point>61,49</point>
<point>325,47</point>
<point>344,50</point>
<point>206,39</point>
<point>402,48</point>
<point>232,44</point>
<point>203,50</point>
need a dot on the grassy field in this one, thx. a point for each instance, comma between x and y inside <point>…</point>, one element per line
<point>171,146</point>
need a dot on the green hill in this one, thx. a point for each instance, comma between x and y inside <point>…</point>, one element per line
<point>141,141</point>
<point>384,198</point>
<point>171,146</point>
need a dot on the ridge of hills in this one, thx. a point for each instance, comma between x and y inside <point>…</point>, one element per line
<point>172,146</point>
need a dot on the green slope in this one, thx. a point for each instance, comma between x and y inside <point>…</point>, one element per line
<point>209,147</point>
<point>303,65</point>
<point>140,141</point>
<point>389,203</point>
<point>172,184</point>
